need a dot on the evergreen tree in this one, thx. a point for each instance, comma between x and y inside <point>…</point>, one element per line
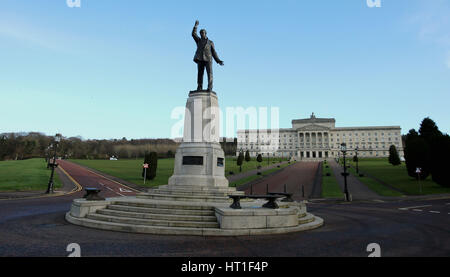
<point>152,160</point>
<point>153,165</point>
<point>429,130</point>
<point>417,155</point>
<point>240,160</point>
<point>394,158</point>
<point>440,165</point>
<point>259,159</point>
<point>247,156</point>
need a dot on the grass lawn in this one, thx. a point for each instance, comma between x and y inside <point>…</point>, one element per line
<point>330,186</point>
<point>397,177</point>
<point>375,186</point>
<point>131,169</point>
<point>25,175</point>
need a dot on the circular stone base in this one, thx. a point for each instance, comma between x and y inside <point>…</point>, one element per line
<point>133,215</point>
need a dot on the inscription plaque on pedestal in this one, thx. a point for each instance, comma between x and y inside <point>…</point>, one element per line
<point>192,160</point>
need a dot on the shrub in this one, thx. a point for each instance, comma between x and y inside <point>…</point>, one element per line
<point>240,160</point>
<point>152,160</point>
<point>247,156</point>
<point>259,158</point>
<point>417,155</point>
<point>394,159</point>
<point>440,163</point>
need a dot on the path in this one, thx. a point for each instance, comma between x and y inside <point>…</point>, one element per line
<point>237,177</point>
<point>294,176</point>
<point>358,190</point>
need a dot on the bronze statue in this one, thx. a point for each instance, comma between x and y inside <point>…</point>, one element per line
<point>203,57</point>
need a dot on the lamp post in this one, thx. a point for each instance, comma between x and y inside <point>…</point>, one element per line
<point>53,165</point>
<point>345,174</point>
<point>357,160</point>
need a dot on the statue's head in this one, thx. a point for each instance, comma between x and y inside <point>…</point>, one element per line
<point>203,33</point>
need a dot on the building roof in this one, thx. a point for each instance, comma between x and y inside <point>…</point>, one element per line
<point>366,128</point>
<point>314,119</point>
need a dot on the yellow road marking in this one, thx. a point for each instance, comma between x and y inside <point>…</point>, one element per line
<point>78,186</point>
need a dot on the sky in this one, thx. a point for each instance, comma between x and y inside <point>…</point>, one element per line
<point>115,68</point>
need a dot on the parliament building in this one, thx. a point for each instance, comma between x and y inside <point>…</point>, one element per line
<point>318,138</point>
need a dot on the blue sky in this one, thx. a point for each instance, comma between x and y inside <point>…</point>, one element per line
<point>114,68</point>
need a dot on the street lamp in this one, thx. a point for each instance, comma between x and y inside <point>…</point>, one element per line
<point>53,165</point>
<point>345,174</point>
<point>356,152</point>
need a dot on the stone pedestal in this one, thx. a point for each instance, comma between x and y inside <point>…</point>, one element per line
<point>200,160</point>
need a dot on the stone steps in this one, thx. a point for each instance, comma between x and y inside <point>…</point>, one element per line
<point>164,230</point>
<point>168,217</point>
<point>164,205</point>
<point>136,209</point>
<point>306,218</point>
<point>152,222</point>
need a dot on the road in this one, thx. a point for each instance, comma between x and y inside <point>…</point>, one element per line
<point>88,178</point>
<point>36,227</point>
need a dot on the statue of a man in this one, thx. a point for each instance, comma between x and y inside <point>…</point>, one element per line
<point>203,57</point>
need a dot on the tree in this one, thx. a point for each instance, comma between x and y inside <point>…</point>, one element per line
<point>259,159</point>
<point>3,144</point>
<point>240,160</point>
<point>417,155</point>
<point>394,158</point>
<point>247,156</point>
<point>355,159</point>
<point>429,130</point>
<point>440,163</point>
<point>152,160</point>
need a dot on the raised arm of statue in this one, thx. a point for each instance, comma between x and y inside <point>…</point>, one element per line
<point>194,32</point>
